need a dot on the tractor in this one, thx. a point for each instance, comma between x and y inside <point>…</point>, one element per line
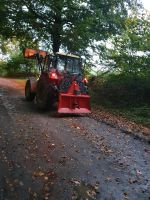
<point>60,81</point>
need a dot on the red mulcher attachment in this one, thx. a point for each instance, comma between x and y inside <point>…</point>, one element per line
<point>74,102</point>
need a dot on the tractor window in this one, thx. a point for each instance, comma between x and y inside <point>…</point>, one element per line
<point>61,64</point>
<point>73,66</point>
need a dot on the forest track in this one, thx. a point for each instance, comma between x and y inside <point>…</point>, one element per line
<point>49,156</point>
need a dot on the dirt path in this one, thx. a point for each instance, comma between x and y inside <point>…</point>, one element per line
<point>46,156</point>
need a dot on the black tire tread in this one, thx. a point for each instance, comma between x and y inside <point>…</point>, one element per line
<point>29,96</point>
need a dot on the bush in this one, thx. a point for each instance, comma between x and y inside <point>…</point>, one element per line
<point>18,66</point>
<point>122,90</point>
<point>3,66</point>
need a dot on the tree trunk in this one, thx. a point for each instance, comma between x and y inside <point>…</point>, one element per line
<point>56,43</point>
<point>57,31</point>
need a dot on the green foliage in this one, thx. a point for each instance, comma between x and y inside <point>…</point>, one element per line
<point>73,25</point>
<point>127,89</point>
<point>3,65</point>
<point>129,52</point>
<point>123,94</point>
<point>9,46</point>
<point>140,114</point>
<point>17,65</point>
<point>122,90</point>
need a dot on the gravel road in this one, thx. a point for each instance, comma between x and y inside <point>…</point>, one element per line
<point>46,156</point>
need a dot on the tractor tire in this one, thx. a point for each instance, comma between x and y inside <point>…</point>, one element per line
<point>43,97</point>
<point>28,94</point>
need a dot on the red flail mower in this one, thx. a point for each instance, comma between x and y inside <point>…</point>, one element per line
<point>60,80</point>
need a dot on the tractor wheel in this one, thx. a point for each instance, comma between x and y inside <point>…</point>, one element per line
<point>28,94</point>
<point>43,97</point>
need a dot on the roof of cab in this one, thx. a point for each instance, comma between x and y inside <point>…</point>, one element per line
<point>67,55</point>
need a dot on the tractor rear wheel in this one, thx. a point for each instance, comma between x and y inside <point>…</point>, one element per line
<point>43,97</point>
<point>28,94</point>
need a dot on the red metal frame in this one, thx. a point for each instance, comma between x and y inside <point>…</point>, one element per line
<point>74,103</point>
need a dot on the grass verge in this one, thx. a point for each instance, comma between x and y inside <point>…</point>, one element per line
<point>139,114</point>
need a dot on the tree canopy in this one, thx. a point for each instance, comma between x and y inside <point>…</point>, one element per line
<point>129,52</point>
<point>69,24</point>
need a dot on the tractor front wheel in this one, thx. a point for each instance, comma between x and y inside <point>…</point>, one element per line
<point>28,94</point>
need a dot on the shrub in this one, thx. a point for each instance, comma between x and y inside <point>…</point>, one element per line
<point>122,90</point>
<point>18,66</point>
<point>3,70</point>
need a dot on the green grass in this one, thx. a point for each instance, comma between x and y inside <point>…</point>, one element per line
<point>139,113</point>
<point>20,81</point>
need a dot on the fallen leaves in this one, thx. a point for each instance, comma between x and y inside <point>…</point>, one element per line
<point>46,178</point>
<point>76,126</point>
<point>138,172</point>
<point>83,190</point>
<point>45,175</point>
<point>75,182</point>
<point>45,133</point>
<point>51,146</point>
<point>125,196</point>
<point>64,159</point>
<point>132,180</point>
<point>38,173</point>
<point>13,184</point>
<point>119,122</point>
<point>108,179</point>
